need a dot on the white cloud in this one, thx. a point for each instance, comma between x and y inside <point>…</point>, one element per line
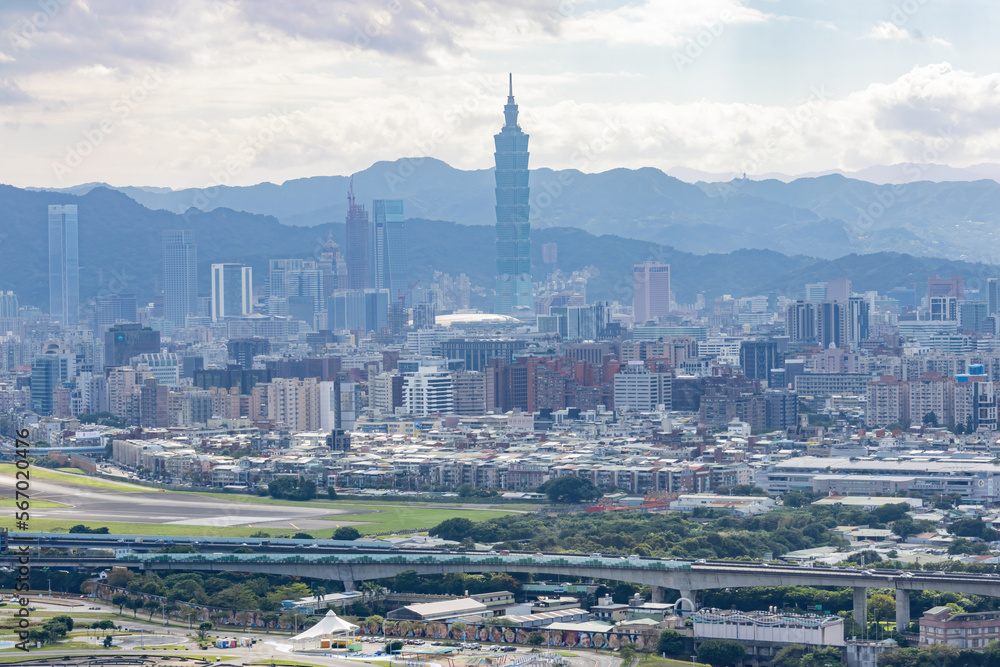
<point>887,31</point>
<point>659,22</point>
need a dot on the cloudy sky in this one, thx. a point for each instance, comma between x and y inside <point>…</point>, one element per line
<point>181,93</point>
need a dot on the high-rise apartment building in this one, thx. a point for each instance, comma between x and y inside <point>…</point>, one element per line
<point>428,391</point>
<point>111,310</point>
<point>358,238</point>
<point>650,291</point>
<point>838,290</point>
<point>388,246</point>
<point>800,321</point>
<point>232,291</point>
<point>64,264</point>
<point>858,310</point>
<point>124,341</point>
<point>993,296</point>
<point>943,308</point>
<point>359,310</point>
<point>513,282</point>
<point>952,287</point>
<point>831,323</point>
<point>180,276</point>
<point>8,304</point>
<point>815,292</point>
<point>759,357</point>
<point>638,389</point>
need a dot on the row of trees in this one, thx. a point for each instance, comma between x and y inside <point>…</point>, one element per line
<point>941,655</point>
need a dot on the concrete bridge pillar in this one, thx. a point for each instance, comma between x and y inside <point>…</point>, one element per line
<point>692,596</point>
<point>902,609</point>
<point>861,605</point>
<point>659,594</point>
<point>349,585</point>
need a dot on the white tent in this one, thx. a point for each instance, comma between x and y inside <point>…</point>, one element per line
<point>330,632</point>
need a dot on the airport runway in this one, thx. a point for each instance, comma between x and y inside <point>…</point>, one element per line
<point>145,506</point>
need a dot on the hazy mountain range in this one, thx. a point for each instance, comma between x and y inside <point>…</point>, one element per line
<point>825,216</point>
<point>120,251</point>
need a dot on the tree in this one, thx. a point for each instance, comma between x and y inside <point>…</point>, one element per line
<point>152,606</point>
<point>120,599</point>
<point>203,629</point>
<point>103,625</point>
<point>930,419</point>
<point>454,530</point>
<point>292,488</point>
<point>346,533</point>
<point>331,493</point>
<point>627,654</point>
<point>535,638</point>
<point>570,489</point>
<point>670,642</point>
<point>302,536</point>
<point>65,620</point>
<point>789,656</point>
<point>395,646</point>
<point>268,620</point>
<point>721,652</point>
<point>108,641</point>
<point>135,604</point>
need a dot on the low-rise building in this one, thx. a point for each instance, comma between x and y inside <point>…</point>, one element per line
<point>940,625</point>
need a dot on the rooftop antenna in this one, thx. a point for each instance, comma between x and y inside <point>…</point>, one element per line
<point>350,193</point>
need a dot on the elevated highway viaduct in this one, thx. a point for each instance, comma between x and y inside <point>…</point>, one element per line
<point>685,576</point>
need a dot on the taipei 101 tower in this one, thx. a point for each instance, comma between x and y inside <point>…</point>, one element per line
<point>513,287</point>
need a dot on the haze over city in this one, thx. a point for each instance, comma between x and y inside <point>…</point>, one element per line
<point>558,333</point>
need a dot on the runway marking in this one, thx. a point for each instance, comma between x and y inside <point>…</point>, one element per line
<point>293,525</point>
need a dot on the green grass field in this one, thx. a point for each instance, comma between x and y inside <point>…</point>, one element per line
<point>660,662</point>
<point>395,519</point>
<point>81,480</point>
<point>35,504</point>
<point>375,517</point>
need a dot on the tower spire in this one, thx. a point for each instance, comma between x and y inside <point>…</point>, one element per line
<point>511,93</point>
<point>350,193</point>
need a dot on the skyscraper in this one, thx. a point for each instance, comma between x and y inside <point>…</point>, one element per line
<point>513,286</point>
<point>357,243</point>
<point>112,309</point>
<point>388,259</point>
<point>232,291</point>
<point>64,264</point>
<point>180,276</point>
<point>650,291</point>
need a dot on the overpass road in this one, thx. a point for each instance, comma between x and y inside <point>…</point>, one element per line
<point>687,577</point>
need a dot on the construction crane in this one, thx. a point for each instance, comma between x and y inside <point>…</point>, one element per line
<point>404,295</point>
